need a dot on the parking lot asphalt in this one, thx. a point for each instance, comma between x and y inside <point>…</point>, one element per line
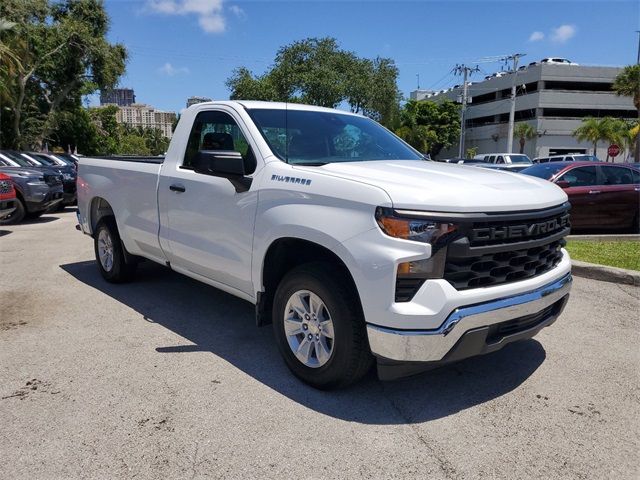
<point>169,378</point>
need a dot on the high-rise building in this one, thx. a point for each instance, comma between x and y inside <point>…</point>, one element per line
<point>123,97</point>
<point>194,100</point>
<point>140,115</point>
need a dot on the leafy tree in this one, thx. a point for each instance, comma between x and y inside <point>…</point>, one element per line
<point>318,72</point>
<point>524,132</point>
<point>593,130</point>
<point>429,126</point>
<point>133,144</point>
<point>627,84</point>
<point>62,53</point>
<point>472,152</point>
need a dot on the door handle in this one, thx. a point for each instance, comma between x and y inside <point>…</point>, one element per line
<point>594,192</point>
<point>177,188</point>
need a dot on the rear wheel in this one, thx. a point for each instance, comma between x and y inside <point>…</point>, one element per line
<point>110,253</point>
<point>16,216</point>
<point>319,327</point>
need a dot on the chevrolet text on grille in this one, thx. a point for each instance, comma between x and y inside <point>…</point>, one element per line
<point>518,231</point>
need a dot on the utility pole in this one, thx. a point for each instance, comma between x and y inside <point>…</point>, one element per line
<point>465,71</point>
<point>512,112</point>
<point>638,61</point>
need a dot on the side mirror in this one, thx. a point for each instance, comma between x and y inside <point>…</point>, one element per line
<point>219,163</point>
<point>563,184</point>
<point>223,163</point>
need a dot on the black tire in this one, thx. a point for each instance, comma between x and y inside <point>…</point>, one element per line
<point>17,215</point>
<point>120,269</point>
<point>351,357</point>
<point>34,215</point>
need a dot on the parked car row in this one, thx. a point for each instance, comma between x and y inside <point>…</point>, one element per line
<point>42,182</point>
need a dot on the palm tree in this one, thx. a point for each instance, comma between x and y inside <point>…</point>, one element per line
<point>593,130</point>
<point>627,84</point>
<point>524,132</point>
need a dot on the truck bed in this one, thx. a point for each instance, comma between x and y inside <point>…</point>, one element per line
<point>132,158</point>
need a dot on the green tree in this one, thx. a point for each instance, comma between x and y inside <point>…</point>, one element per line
<point>627,84</point>
<point>318,72</point>
<point>593,130</point>
<point>524,132</point>
<point>429,126</point>
<point>63,54</point>
<point>133,144</point>
<point>472,152</point>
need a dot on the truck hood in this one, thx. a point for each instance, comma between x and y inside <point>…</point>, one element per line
<point>423,185</point>
<point>21,171</point>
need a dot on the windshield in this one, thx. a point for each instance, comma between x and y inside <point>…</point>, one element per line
<point>544,170</point>
<point>303,137</point>
<point>20,160</point>
<point>520,159</point>
<point>585,158</point>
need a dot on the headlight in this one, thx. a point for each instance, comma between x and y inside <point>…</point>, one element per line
<point>36,181</point>
<point>435,232</point>
<point>67,176</point>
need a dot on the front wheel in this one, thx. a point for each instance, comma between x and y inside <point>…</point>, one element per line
<point>319,327</point>
<point>110,254</point>
<point>16,216</point>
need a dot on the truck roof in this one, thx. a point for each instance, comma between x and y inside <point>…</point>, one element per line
<point>256,104</point>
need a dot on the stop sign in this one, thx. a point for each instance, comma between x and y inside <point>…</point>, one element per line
<point>613,150</point>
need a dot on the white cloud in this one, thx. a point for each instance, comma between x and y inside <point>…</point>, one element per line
<point>209,12</point>
<point>237,11</point>
<point>536,36</point>
<point>171,71</point>
<point>563,33</point>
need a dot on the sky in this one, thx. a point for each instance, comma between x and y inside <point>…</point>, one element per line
<point>180,48</point>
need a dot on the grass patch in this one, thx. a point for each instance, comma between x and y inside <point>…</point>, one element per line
<point>614,254</point>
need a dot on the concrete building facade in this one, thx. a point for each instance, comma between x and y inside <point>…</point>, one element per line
<point>123,97</point>
<point>140,115</point>
<point>195,100</point>
<point>554,99</point>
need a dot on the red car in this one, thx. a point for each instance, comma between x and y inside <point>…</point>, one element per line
<point>603,196</point>
<point>7,196</point>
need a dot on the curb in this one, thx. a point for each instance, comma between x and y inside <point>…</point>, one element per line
<point>605,274</point>
<point>632,237</point>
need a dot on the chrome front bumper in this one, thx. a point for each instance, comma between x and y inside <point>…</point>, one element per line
<point>433,345</point>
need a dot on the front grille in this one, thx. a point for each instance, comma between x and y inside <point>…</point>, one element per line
<point>502,267</point>
<point>5,187</point>
<point>495,249</point>
<point>53,180</point>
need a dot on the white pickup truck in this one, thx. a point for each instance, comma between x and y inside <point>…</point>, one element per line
<point>346,239</point>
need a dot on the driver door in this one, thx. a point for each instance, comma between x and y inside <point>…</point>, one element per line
<point>209,224</point>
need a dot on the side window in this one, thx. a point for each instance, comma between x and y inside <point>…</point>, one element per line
<point>500,159</point>
<point>556,159</point>
<point>617,175</point>
<point>636,176</point>
<point>580,177</point>
<point>490,158</point>
<point>214,130</point>
<point>569,159</point>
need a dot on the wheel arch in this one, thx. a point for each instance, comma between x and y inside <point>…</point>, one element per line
<point>99,208</point>
<point>284,254</point>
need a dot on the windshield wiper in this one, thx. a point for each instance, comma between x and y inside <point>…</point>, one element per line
<point>310,164</point>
